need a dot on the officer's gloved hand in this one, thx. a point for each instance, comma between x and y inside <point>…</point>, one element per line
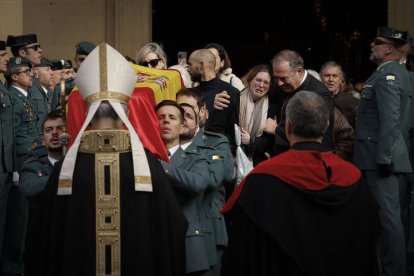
<point>385,170</point>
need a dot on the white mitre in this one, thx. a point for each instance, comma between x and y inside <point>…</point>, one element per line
<point>105,75</point>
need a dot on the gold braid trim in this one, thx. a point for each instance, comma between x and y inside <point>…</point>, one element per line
<point>106,95</point>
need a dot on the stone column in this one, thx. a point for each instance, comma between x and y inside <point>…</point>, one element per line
<point>60,24</point>
<point>11,19</point>
<point>400,15</point>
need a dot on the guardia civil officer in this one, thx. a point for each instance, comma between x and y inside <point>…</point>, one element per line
<point>382,123</point>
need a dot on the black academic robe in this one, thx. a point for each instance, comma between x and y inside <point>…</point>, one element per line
<point>153,227</point>
<point>303,212</point>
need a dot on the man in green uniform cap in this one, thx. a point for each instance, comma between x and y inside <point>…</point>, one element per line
<point>19,78</point>
<point>83,49</point>
<point>380,152</point>
<point>26,46</point>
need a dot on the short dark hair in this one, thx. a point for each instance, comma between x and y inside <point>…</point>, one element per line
<point>52,115</point>
<point>222,54</point>
<point>171,103</point>
<point>192,108</point>
<point>308,114</point>
<point>191,93</point>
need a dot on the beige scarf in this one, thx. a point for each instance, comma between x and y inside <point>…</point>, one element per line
<point>253,115</point>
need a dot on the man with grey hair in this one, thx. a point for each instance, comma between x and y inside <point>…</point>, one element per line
<point>305,211</point>
<point>333,77</point>
<point>289,78</point>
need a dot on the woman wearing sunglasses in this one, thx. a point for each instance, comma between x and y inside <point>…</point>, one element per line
<point>151,55</point>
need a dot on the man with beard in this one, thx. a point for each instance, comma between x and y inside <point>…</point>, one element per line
<point>216,147</point>
<point>383,120</point>
<point>201,66</point>
<point>39,165</point>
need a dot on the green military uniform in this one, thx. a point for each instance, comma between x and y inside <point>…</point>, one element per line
<point>40,98</point>
<point>25,132</point>
<point>25,122</point>
<point>10,203</point>
<point>380,151</point>
<point>35,172</point>
<point>42,102</point>
<point>188,174</point>
<point>216,148</point>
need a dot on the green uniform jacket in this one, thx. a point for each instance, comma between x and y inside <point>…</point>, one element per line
<point>35,172</point>
<point>383,119</point>
<point>216,148</point>
<point>25,124</point>
<point>41,101</point>
<point>188,174</point>
<point>7,156</point>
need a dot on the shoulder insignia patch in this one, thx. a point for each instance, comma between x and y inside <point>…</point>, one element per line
<point>390,77</point>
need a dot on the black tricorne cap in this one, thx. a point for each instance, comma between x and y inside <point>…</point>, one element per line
<point>2,45</point>
<point>400,37</point>
<point>21,40</point>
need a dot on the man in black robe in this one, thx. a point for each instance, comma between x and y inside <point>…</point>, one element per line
<point>109,212</point>
<point>289,78</point>
<point>303,212</point>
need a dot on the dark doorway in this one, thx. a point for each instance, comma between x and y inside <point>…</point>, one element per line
<point>320,30</point>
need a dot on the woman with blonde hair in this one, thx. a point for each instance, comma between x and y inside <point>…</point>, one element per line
<point>151,55</point>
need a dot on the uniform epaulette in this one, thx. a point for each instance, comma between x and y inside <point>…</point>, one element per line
<point>38,151</point>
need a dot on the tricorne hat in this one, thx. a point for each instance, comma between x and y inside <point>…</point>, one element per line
<point>394,34</point>
<point>21,40</point>
<point>105,75</point>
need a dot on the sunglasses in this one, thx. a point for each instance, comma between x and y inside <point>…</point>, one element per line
<point>380,42</point>
<point>152,62</point>
<point>34,47</point>
<point>27,72</point>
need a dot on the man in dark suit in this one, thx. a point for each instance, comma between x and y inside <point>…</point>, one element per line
<point>380,151</point>
<point>290,77</point>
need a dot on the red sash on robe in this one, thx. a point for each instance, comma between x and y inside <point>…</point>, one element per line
<point>304,169</point>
